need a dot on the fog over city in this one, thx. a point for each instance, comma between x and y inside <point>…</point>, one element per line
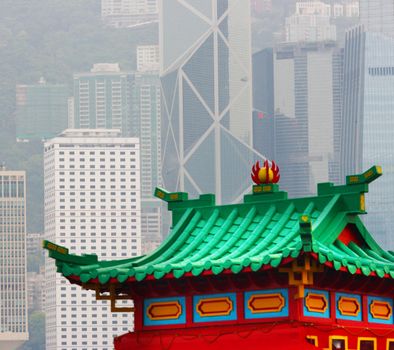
<point>112,110</point>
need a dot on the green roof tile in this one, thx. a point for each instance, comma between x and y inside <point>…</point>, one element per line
<point>263,230</point>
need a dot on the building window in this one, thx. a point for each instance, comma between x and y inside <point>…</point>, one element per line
<point>390,344</point>
<point>338,342</point>
<point>366,344</point>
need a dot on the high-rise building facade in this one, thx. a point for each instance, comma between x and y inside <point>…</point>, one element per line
<point>36,289</point>
<point>146,125</point>
<point>310,22</point>
<point>126,13</point>
<point>263,103</point>
<point>368,114</point>
<point>206,78</point>
<point>101,98</point>
<point>41,110</point>
<point>92,205</point>
<point>71,111</point>
<point>13,286</point>
<point>308,90</point>
<point>148,58</point>
<point>377,16</point>
<point>34,244</point>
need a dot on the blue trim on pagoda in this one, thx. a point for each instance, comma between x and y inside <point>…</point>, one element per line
<point>373,319</point>
<point>347,317</point>
<point>231,316</point>
<point>326,313</point>
<point>171,320</point>
<point>284,311</point>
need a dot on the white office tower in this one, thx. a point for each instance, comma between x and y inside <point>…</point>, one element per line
<point>148,58</point>
<point>310,22</point>
<point>126,13</point>
<point>92,205</point>
<point>13,290</point>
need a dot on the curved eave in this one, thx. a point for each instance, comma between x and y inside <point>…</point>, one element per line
<point>285,261</point>
<point>95,281</point>
<point>358,271</point>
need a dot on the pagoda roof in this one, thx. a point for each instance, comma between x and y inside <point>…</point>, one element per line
<point>263,232</point>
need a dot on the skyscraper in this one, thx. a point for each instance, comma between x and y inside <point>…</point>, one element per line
<point>263,102</point>
<point>13,285</point>
<point>101,98</point>
<point>377,16</point>
<point>92,204</point>
<point>146,125</point>
<point>206,78</point>
<point>307,85</point>
<point>368,114</point>
<point>41,110</point>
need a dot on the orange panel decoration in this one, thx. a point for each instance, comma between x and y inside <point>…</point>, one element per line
<point>349,306</point>
<point>381,309</point>
<point>164,310</point>
<point>214,307</point>
<point>315,302</point>
<point>266,303</point>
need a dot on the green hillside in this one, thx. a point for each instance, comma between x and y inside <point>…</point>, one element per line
<point>52,39</point>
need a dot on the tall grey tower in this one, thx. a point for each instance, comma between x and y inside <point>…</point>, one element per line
<point>368,109</point>
<point>205,53</point>
<point>368,121</point>
<point>307,122</point>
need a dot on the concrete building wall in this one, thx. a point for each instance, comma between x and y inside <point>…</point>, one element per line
<point>13,283</point>
<point>92,205</point>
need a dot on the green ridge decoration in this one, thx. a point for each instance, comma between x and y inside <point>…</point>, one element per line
<point>261,232</point>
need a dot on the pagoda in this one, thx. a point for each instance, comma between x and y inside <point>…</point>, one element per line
<point>270,273</point>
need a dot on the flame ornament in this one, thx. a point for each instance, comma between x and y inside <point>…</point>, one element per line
<point>265,174</point>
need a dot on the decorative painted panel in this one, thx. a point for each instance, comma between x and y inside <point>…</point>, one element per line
<point>380,310</point>
<point>348,306</point>
<point>215,307</point>
<point>266,303</point>
<point>316,303</point>
<point>164,311</point>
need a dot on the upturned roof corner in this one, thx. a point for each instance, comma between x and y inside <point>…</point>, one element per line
<point>354,183</point>
<point>353,192</point>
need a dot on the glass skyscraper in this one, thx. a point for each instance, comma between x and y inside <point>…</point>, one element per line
<point>368,130</point>
<point>263,102</point>
<point>307,85</point>
<point>205,49</point>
